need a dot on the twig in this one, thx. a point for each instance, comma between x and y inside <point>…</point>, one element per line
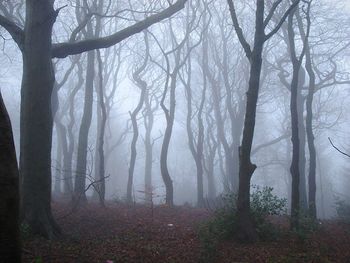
<point>335,147</point>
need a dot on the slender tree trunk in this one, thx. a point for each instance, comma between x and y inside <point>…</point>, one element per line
<point>10,245</point>
<point>58,164</point>
<point>295,166</point>
<point>143,87</point>
<point>302,157</point>
<point>95,195</point>
<point>310,135</point>
<point>148,122</point>
<point>68,175</point>
<point>133,145</point>
<point>101,156</point>
<point>309,115</point>
<point>36,119</point>
<point>169,198</point>
<point>246,230</point>
<point>81,168</point>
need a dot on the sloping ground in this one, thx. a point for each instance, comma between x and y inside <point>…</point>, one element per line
<point>119,233</point>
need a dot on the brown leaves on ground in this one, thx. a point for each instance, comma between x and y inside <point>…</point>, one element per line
<point>120,233</point>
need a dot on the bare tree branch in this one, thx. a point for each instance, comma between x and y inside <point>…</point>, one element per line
<point>238,29</point>
<point>335,147</point>
<point>272,11</point>
<point>280,23</point>
<point>62,50</point>
<point>15,31</point>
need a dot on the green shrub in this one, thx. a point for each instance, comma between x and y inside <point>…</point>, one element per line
<point>263,204</point>
<point>223,226</point>
<point>307,226</point>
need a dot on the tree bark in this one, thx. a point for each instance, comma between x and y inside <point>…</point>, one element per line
<point>36,119</point>
<point>170,116</point>
<point>309,117</point>
<point>37,85</point>
<point>101,155</point>
<point>295,164</point>
<point>10,244</point>
<point>246,230</point>
<point>80,177</point>
<point>302,157</point>
<point>143,87</point>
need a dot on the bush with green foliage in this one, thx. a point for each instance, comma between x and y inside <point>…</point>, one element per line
<point>223,226</point>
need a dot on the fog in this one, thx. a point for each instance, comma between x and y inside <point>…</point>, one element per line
<point>178,90</point>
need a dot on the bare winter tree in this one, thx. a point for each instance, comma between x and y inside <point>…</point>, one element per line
<point>37,86</point>
<point>246,230</point>
<point>294,168</point>
<point>180,54</point>
<point>143,86</point>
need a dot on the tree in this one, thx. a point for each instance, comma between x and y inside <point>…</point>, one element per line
<point>181,53</point>
<point>37,85</point>
<point>246,230</point>
<point>294,86</point>
<point>142,84</point>
<point>10,245</point>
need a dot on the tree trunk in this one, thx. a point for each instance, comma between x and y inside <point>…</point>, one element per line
<point>148,122</point>
<point>80,177</point>
<point>68,158</point>
<point>57,166</point>
<point>302,158</point>
<point>101,156</point>
<point>245,224</point>
<point>310,135</point>
<point>295,167</point>
<point>143,87</point>
<point>169,198</point>
<point>36,118</point>
<point>10,245</point>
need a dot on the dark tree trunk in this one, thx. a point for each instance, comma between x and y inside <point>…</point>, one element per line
<point>36,118</point>
<point>302,157</point>
<point>310,135</point>
<point>309,114</point>
<point>170,116</point>
<point>135,128</point>
<point>10,245</point>
<point>295,165</point>
<point>246,229</point>
<point>95,195</point>
<point>294,168</point>
<point>37,85</point>
<point>143,87</point>
<point>101,155</point>
<point>81,168</point>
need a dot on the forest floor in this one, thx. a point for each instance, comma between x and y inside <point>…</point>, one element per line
<point>120,233</point>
